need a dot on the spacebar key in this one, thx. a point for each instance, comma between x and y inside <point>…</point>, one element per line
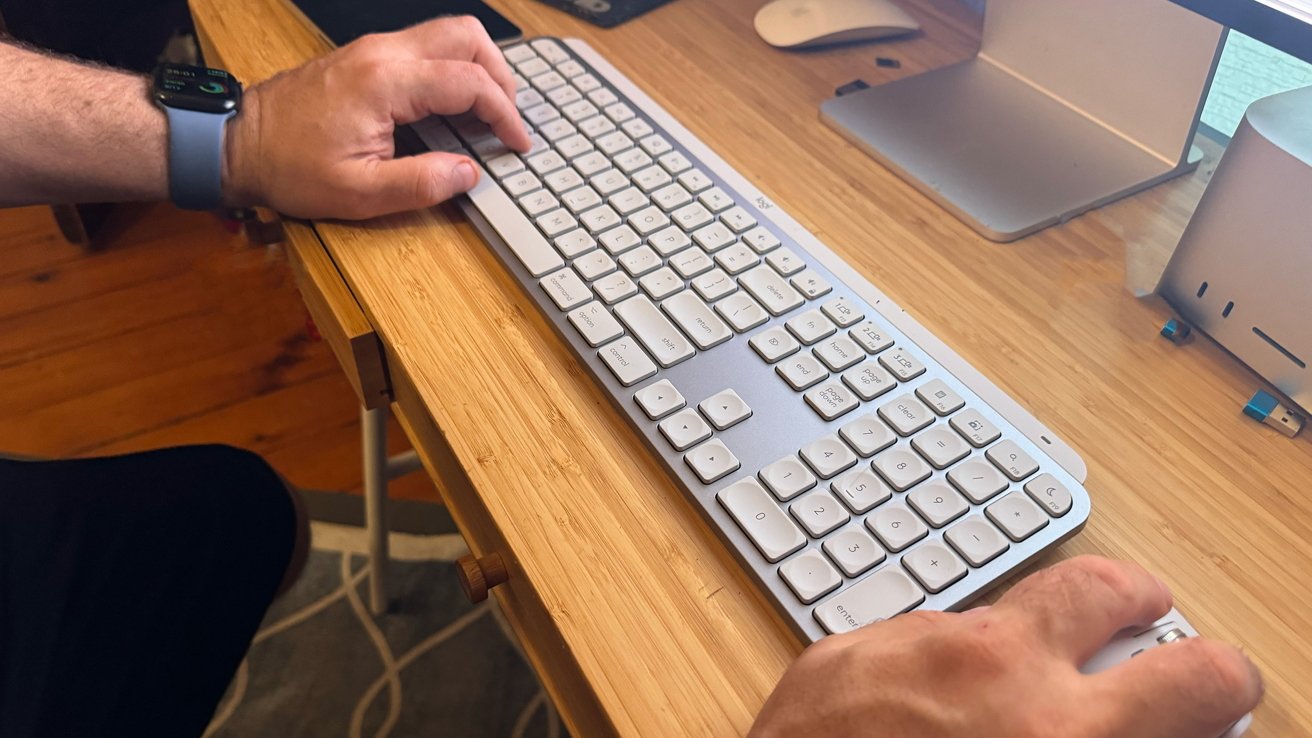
<point>519,233</point>
<point>656,332</point>
<point>880,596</point>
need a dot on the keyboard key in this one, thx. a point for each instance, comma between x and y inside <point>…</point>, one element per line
<point>586,83</point>
<point>661,283</point>
<point>802,371</point>
<point>551,51</point>
<point>774,344</point>
<point>591,164</point>
<point>1050,494</point>
<point>828,456</point>
<point>601,97</point>
<point>938,395</point>
<point>901,468</point>
<point>871,337</point>
<point>868,435</point>
<point>563,180</point>
<point>861,490</point>
<point>766,285</point>
<point>694,179</point>
<point>628,200</point>
<point>1017,516</point>
<point>574,146</point>
<point>557,129</point>
<point>659,399</point>
<point>880,596</point>
<point>691,262</point>
<point>637,128</point>
<point>697,320</point>
<point>712,461</point>
<point>580,110</point>
<point>810,576</point>
<point>811,326</point>
<point>742,312</point>
<point>839,353</point>
<point>773,532</point>
<point>505,165</point>
<point>714,237</point>
<point>692,216</point>
<point>547,161</point>
<point>1012,460</point>
<point>608,183</point>
<point>632,160</point>
<point>648,220</point>
<point>906,414</point>
<point>761,240</point>
<point>975,428</point>
<point>619,240</point>
<point>725,409</point>
<point>627,361</point>
<point>671,197</point>
<point>685,429</point>
<point>669,240</point>
<point>570,68</point>
<point>566,289</point>
<point>853,550</point>
<point>977,480</point>
<point>937,503</point>
<point>832,400</point>
<point>639,261</point>
<point>787,477</point>
<point>539,202</point>
<point>654,144</point>
<point>869,380</point>
<point>651,179</point>
<point>785,261</point>
<point>594,264</point>
<point>714,284</point>
<point>619,112</point>
<point>575,242</point>
<point>819,513</point>
<point>674,162</point>
<point>657,334</point>
<point>715,200</point>
<point>519,54</point>
<point>940,447</point>
<point>613,143</point>
<point>545,82</point>
<point>842,311</point>
<point>811,284</point>
<point>520,183</point>
<point>896,526</point>
<point>599,219</point>
<point>595,323</point>
<point>581,199</point>
<point>556,222</point>
<point>977,540</point>
<point>934,566</point>
<point>614,287</point>
<point>904,365</point>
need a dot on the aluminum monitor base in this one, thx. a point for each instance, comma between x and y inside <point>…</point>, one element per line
<point>1031,133</point>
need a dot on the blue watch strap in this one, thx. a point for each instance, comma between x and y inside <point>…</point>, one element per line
<point>196,158</point>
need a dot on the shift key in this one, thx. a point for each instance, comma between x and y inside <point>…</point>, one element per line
<point>880,596</point>
<point>654,330</point>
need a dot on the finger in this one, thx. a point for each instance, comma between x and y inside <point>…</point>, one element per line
<point>1075,607</point>
<point>1190,688</point>
<point>411,182</point>
<point>424,88</point>
<point>460,38</point>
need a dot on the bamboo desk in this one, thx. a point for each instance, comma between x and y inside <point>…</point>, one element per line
<point>634,614</point>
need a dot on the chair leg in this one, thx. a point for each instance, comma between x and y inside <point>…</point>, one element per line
<point>373,424</point>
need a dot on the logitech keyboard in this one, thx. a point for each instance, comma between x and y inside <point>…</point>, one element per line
<point>856,466</point>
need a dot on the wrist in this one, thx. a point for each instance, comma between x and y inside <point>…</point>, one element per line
<point>241,142</point>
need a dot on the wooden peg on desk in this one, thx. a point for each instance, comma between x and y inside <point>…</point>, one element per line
<point>478,575</point>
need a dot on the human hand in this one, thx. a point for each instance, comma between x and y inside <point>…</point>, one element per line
<point>316,141</point>
<point>1011,670</point>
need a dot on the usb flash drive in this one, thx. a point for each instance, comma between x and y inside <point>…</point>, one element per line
<point>1265,408</point>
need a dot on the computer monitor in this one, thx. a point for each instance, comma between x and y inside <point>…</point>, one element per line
<point>1282,24</point>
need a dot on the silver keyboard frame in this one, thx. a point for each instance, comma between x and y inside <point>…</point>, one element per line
<point>769,434</point>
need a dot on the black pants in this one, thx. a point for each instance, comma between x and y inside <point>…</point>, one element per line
<point>130,587</point>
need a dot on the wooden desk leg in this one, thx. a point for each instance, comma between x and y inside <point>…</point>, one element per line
<point>379,469</point>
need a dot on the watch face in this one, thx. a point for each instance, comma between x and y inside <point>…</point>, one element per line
<point>196,88</point>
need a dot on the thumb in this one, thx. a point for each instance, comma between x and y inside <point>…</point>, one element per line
<point>419,181</point>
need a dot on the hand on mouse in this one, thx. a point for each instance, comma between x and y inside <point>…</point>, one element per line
<point>316,141</point>
<point>1011,670</point>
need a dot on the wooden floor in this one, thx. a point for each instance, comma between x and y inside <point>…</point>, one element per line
<point>175,332</point>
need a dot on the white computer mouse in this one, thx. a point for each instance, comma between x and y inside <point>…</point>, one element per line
<point>795,24</point>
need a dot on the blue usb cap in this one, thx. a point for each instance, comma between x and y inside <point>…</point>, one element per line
<point>1175,331</point>
<point>1265,408</point>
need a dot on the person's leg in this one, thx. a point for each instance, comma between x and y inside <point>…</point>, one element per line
<point>130,587</point>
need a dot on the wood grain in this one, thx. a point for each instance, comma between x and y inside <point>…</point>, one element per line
<point>635,615</point>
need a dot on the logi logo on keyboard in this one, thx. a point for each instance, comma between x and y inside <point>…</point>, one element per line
<point>763,203</point>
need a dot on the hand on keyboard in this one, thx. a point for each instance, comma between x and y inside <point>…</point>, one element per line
<point>1011,670</point>
<point>316,141</point>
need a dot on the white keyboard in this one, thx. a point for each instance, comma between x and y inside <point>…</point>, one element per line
<point>853,474</point>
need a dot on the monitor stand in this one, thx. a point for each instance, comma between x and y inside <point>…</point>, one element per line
<point>1069,105</point>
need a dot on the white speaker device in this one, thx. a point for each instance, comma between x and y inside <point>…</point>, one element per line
<point>1242,272</point>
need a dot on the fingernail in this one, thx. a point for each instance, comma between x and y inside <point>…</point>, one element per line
<point>467,175</point>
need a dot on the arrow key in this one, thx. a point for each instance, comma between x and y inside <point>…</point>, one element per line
<point>659,399</point>
<point>712,460</point>
<point>724,409</point>
<point>685,428</point>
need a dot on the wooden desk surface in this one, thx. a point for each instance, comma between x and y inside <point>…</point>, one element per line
<point>637,617</point>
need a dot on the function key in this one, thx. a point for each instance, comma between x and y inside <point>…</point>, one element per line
<point>975,428</point>
<point>1012,460</point>
<point>937,394</point>
<point>550,50</point>
<point>904,364</point>
<point>1051,494</point>
<point>842,311</point>
<point>810,283</point>
<point>871,337</point>
<point>519,54</point>
<point>761,240</point>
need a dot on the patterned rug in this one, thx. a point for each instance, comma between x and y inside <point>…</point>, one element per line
<point>434,665</point>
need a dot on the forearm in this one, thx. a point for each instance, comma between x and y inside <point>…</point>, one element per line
<point>76,133</point>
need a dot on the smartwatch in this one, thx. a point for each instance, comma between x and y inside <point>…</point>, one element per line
<point>198,102</point>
